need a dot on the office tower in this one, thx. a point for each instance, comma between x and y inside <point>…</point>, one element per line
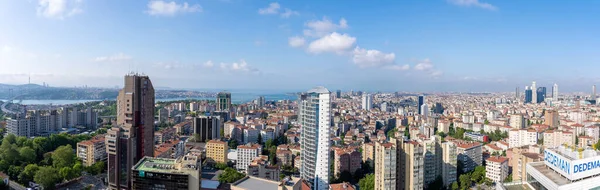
<point>534,94</point>
<point>223,101</point>
<point>133,136</point>
<point>541,94</point>
<point>163,173</point>
<point>517,93</point>
<point>385,166</point>
<point>420,103</point>
<point>246,153</point>
<point>216,151</point>
<point>315,118</point>
<point>439,109</point>
<point>555,92</point>
<point>367,102</point>
<point>449,162</point>
<point>594,92</point>
<point>92,151</point>
<point>551,118</point>
<point>338,94</point>
<point>528,95</point>
<point>206,128</point>
<point>261,101</point>
<point>424,110</point>
<point>517,121</point>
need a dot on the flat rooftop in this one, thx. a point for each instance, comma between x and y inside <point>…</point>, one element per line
<point>156,165</point>
<point>549,173</point>
<point>251,183</point>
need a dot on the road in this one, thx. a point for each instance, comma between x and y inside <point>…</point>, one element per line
<point>4,107</point>
<point>15,186</point>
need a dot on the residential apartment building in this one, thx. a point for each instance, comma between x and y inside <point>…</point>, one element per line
<point>413,162</point>
<point>556,138</point>
<point>469,154</point>
<point>245,154</point>
<point>449,162</point>
<point>348,159</point>
<point>522,137</point>
<point>92,151</point>
<point>551,118</point>
<point>260,167</point>
<point>216,151</point>
<point>517,121</point>
<point>386,176</point>
<point>368,153</point>
<point>496,168</point>
<point>315,118</point>
<point>520,159</point>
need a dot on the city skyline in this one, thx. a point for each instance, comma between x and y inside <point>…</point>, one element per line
<point>433,46</point>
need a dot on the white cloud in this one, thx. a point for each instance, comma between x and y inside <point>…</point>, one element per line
<point>113,58</point>
<point>209,64</point>
<point>288,12</point>
<point>241,66</point>
<point>319,28</point>
<point>436,73</point>
<point>334,42</point>
<point>59,9</point>
<point>398,67</point>
<point>424,65</point>
<point>163,8</point>
<point>272,9</point>
<point>473,3</point>
<point>371,58</point>
<point>296,41</point>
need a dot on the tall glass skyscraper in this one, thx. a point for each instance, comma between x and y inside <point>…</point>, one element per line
<point>421,102</point>
<point>528,95</point>
<point>223,101</point>
<point>315,120</point>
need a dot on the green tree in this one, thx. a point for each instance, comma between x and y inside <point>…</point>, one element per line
<point>28,173</point>
<point>233,144</point>
<point>407,132</point>
<point>67,173</point>
<point>230,175</point>
<point>20,141</point>
<point>392,133</point>
<point>27,155</point>
<point>10,138</point>
<point>478,175</point>
<point>465,181</point>
<point>367,183</point>
<point>47,177</point>
<point>11,155</point>
<point>63,156</point>
<point>455,186</point>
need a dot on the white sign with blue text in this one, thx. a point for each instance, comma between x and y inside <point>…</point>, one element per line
<point>572,169</point>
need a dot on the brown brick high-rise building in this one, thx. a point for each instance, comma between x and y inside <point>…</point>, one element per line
<point>133,136</point>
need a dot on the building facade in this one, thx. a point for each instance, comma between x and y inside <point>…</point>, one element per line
<point>315,119</point>
<point>386,175</point>
<point>216,151</point>
<point>92,151</point>
<point>224,101</point>
<point>133,138</point>
<point>496,168</point>
<point>162,173</point>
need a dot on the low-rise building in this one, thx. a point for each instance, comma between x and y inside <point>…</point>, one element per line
<point>496,168</point>
<point>260,167</point>
<point>216,151</point>
<point>162,173</point>
<point>92,151</point>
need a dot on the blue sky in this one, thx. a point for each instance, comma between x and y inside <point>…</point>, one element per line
<point>443,45</point>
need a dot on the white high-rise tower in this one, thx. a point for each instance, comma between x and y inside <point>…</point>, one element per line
<point>315,120</point>
<point>555,92</point>
<point>533,93</point>
<point>367,102</point>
